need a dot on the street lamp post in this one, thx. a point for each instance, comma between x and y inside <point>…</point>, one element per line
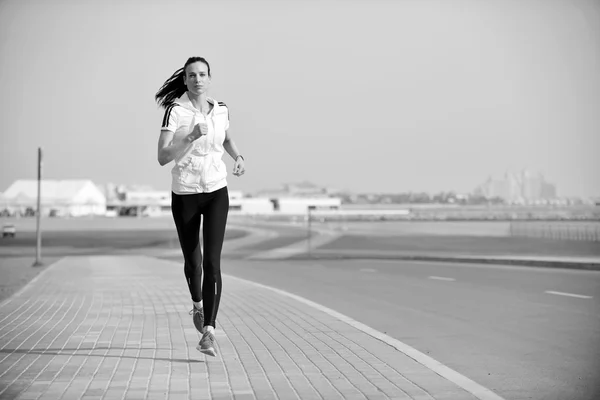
<point>310,208</point>
<point>38,251</point>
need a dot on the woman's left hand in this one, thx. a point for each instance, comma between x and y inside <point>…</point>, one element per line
<point>238,167</point>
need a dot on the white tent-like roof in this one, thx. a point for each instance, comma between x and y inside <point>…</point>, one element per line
<point>55,192</point>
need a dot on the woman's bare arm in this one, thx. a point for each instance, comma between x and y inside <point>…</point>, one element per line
<point>230,146</point>
<point>239,166</point>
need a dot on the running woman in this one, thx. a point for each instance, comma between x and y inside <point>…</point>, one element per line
<point>195,136</point>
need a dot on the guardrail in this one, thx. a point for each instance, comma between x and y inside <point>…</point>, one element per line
<point>584,230</point>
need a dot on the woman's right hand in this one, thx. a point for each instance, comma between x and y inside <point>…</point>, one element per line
<point>201,129</point>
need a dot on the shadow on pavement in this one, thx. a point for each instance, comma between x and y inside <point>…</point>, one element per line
<point>88,353</point>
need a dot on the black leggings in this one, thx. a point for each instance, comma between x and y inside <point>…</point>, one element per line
<point>187,211</point>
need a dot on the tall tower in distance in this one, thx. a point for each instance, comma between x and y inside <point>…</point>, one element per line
<point>523,186</point>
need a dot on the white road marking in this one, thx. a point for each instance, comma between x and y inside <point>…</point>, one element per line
<point>368,270</point>
<point>441,278</point>
<point>480,392</point>
<point>579,296</point>
<point>519,268</point>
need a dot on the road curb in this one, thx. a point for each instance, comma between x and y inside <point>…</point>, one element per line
<point>566,264</point>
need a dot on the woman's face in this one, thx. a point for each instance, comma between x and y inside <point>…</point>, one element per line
<point>196,78</point>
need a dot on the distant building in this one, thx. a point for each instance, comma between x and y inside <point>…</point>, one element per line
<point>305,189</point>
<point>147,202</point>
<point>518,187</point>
<point>302,189</point>
<point>548,191</point>
<point>290,198</point>
<point>494,188</point>
<point>58,198</point>
<point>250,205</point>
<point>301,205</point>
<point>283,202</point>
<point>148,197</point>
<point>532,185</point>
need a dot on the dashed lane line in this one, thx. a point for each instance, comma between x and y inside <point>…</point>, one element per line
<point>441,278</point>
<point>579,296</point>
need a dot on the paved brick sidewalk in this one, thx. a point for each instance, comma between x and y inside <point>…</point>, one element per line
<point>118,328</point>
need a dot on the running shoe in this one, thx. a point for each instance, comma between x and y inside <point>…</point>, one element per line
<point>198,318</point>
<point>207,344</point>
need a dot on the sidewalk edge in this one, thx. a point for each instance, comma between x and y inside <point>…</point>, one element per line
<point>31,282</point>
<point>573,265</point>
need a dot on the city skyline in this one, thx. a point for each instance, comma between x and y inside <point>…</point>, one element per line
<point>518,186</point>
<point>424,97</point>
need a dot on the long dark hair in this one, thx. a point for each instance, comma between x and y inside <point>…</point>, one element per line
<point>174,87</point>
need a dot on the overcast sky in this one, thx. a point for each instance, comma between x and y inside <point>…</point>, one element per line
<point>375,95</point>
